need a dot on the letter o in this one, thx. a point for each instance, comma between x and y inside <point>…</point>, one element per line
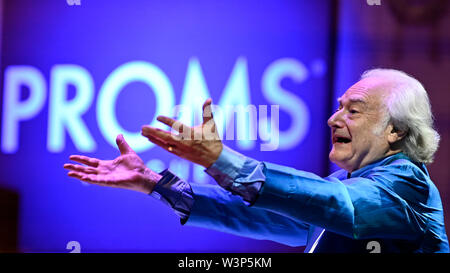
<point>116,81</point>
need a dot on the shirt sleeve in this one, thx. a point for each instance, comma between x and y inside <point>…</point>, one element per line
<point>233,171</point>
<point>218,209</point>
<point>175,193</point>
<point>238,174</point>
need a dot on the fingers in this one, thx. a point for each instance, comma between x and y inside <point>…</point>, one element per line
<point>75,175</point>
<point>78,175</point>
<point>88,173</point>
<point>80,169</point>
<point>166,146</point>
<point>94,179</point>
<point>174,124</point>
<point>93,162</point>
<point>160,134</point>
<point>124,148</point>
<point>89,178</point>
<point>207,111</point>
<point>82,172</point>
<point>157,141</point>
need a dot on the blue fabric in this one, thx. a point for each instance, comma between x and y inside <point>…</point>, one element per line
<point>175,193</point>
<point>233,171</point>
<point>391,201</point>
<point>217,209</point>
<point>238,174</point>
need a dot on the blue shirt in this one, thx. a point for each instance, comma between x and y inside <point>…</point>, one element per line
<point>391,201</point>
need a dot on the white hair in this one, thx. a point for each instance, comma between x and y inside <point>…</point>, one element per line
<point>409,110</point>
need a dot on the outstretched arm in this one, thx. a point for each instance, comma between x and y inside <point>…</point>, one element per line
<point>202,205</point>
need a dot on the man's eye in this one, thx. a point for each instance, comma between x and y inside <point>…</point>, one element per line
<point>353,111</point>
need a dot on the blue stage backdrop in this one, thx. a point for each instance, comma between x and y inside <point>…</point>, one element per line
<point>74,74</point>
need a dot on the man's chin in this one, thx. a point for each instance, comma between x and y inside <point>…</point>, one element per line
<point>337,158</point>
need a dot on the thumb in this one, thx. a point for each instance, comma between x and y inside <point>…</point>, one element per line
<point>124,148</point>
<point>207,111</point>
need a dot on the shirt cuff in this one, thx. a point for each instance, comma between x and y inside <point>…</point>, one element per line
<point>238,174</point>
<point>175,193</point>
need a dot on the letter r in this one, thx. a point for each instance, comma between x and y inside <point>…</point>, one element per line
<point>65,114</point>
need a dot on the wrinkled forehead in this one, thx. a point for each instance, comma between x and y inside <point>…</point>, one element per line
<point>370,91</point>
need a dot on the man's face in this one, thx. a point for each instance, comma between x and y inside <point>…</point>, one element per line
<point>358,130</point>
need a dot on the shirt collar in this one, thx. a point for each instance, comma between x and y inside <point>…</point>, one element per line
<point>380,162</point>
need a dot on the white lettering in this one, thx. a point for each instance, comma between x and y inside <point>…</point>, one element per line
<point>15,110</point>
<point>116,81</point>
<point>67,114</point>
<point>292,104</point>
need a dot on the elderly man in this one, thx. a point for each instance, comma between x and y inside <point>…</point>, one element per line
<point>382,199</point>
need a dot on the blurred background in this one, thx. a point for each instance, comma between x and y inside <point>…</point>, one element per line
<point>75,73</point>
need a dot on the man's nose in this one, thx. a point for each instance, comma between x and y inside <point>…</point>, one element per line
<point>335,121</point>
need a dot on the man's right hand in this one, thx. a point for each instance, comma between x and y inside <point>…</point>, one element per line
<point>200,144</point>
<point>127,171</point>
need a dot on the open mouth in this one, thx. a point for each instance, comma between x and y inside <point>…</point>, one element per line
<point>341,139</point>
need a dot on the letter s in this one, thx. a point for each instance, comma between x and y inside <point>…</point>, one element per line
<point>295,106</point>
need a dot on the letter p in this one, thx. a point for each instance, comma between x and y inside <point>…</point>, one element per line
<point>15,110</point>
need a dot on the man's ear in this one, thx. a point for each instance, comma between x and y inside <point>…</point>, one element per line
<point>395,134</point>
